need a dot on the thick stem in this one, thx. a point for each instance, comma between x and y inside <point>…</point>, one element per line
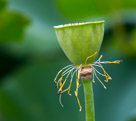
<point>89,99</point>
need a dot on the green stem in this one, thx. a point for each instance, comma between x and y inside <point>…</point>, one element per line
<point>89,100</point>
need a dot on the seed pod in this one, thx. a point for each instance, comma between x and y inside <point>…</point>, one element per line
<point>80,40</point>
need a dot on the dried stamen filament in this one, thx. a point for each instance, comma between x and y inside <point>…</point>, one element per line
<point>90,57</point>
<point>76,92</point>
<point>100,80</point>
<point>61,71</point>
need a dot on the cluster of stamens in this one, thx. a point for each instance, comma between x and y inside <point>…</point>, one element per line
<point>83,71</point>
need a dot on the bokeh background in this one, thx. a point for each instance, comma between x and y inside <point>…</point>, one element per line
<point>30,57</point>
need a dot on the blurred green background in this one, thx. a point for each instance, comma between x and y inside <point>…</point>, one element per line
<point>30,57</point>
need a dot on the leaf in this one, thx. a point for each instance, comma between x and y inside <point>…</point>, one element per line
<point>87,8</point>
<point>2,4</point>
<point>12,26</point>
<point>40,36</point>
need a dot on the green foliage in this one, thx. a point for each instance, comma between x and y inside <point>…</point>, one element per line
<point>12,26</point>
<point>2,4</point>
<point>129,43</point>
<point>87,8</point>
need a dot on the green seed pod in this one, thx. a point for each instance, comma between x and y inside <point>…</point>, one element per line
<point>80,40</point>
<point>81,43</point>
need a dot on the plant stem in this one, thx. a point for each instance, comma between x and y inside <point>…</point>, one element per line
<point>89,99</point>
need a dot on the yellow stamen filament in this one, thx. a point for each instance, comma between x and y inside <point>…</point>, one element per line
<point>100,58</point>
<point>101,82</point>
<point>109,62</point>
<point>68,89</point>
<point>57,75</point>
<point>76,92</point>
<point>90,57</point>
<point>93,77</point>
<point>65,90</point>
<point>106,74</point>
<point>101,74</point>
<point>67,68</point>
<point>59,81</point>
<point>117,61</point>
<point>62,85</point>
